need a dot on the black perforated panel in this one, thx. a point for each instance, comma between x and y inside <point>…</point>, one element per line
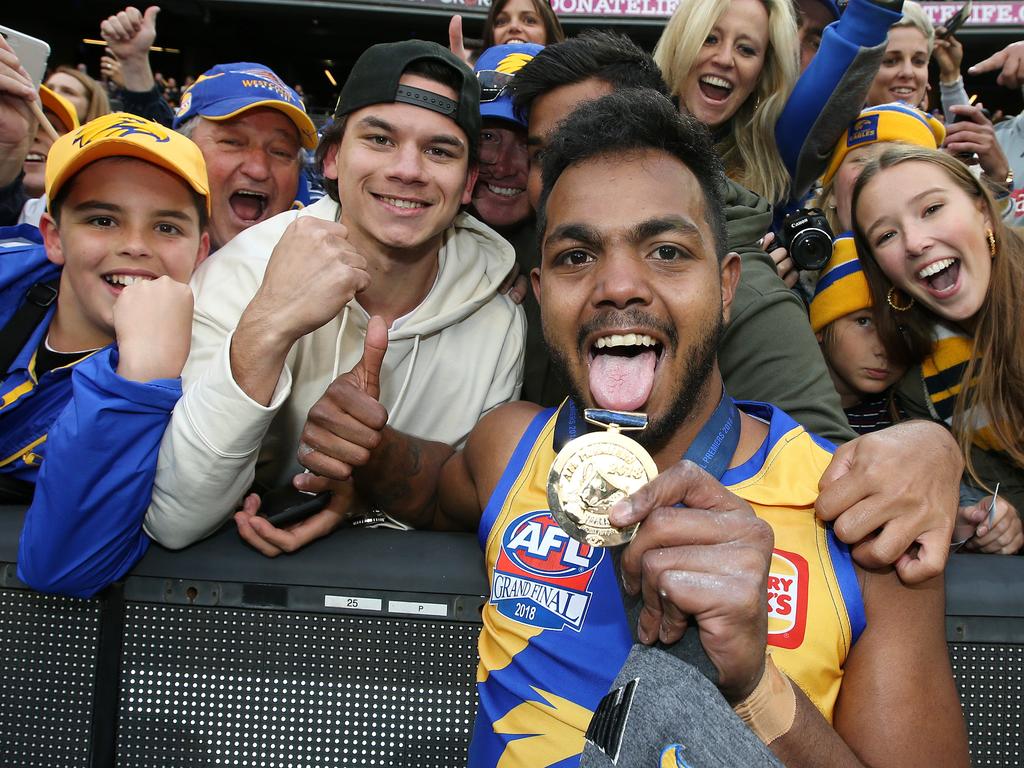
<point>992,694</point>
<point>211,687</point>
<point>47,663</point>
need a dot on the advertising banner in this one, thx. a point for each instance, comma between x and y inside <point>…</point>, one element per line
<point>999,13</point>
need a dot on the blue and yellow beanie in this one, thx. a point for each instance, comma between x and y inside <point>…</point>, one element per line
<point>887,122</point>
<point>842,286</point>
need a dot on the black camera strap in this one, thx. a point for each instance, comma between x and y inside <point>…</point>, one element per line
<point>23,323</point>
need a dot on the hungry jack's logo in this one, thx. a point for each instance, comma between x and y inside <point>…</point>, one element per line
<point>787,599</point>
<point>542,576</point>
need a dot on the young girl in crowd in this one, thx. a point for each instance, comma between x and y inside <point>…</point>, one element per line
<point>945,272</point>
<point>843,324</point>
<point>862,140</point>
<point>874,129</point>
<point>521,21</point>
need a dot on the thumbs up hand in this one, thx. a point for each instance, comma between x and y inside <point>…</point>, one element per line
<point>344,426</point>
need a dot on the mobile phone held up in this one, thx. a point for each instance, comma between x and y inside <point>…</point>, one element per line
<point>957,20</point>
<point>31,52</point>
<point>288,505</point>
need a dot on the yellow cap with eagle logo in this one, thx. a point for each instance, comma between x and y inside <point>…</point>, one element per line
<point>123,135</point>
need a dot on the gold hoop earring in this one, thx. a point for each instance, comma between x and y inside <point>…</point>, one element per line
<point>991,242</point>
<point>898,307</point>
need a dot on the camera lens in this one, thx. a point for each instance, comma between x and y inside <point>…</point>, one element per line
<point>812,249</point>
<point>808,238</point>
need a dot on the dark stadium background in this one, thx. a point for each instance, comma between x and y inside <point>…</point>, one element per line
<point>301,38</point>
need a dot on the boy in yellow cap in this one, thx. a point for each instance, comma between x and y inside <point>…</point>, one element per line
<point>96,317</point>
<point>842,321</point>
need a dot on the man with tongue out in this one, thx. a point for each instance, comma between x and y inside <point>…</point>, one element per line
<point>634,288</point>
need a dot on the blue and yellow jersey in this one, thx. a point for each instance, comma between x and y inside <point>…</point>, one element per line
<point>555,633</point>
<point>28,404</point>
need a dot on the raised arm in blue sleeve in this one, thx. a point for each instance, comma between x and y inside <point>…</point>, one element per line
<point>831,91</point>
<point>84,528</point>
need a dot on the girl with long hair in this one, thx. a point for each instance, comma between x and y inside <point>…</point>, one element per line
<point>732,64</point>
<point>522,21</point>
<point>944,273</point>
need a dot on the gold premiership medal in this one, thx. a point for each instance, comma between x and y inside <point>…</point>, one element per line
<point>590,474</point>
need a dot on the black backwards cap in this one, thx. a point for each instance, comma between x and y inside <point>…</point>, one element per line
<point>374,80</point>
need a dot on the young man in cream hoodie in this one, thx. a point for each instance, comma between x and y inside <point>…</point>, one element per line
<point>285,307</point>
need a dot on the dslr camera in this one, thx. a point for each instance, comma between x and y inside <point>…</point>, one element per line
<point>808,238</point>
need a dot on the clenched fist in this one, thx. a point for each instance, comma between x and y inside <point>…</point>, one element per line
<point>153,327</point>
<point>314,271</point>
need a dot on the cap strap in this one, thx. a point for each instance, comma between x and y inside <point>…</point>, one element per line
<point>406,94</point>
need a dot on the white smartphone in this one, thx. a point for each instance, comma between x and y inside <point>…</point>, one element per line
<point>32,52</point>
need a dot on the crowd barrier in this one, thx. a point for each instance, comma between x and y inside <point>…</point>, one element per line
<point>357,651</point>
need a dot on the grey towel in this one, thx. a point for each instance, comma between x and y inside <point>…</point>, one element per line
<point>665,698</point>
<point>661,704</point>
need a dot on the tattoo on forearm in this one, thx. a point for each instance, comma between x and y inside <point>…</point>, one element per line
<point>406,461</point>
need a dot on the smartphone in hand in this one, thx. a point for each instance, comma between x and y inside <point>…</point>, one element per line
<point>288,505</point>
<point>31,52</point>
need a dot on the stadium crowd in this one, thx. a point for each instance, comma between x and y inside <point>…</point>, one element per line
<point>768,238</point>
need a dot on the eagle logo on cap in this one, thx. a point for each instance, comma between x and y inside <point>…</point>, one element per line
<point>513,63</point>
<point>119,128</point>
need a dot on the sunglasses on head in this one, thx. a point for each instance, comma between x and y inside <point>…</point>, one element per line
<point>492,84</point>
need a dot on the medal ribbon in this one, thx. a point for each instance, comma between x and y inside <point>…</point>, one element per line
<point>711,449</point>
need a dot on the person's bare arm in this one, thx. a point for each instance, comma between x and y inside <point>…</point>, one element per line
<point>702,555</point>
<point>428,484</point>
<point>896,671</point>
<point>898,705</point>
